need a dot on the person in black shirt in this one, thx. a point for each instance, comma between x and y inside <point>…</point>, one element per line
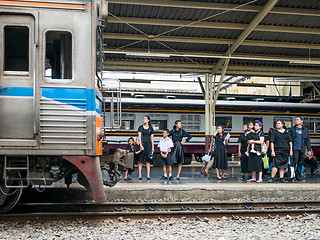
<point>177,134</point>
<point>146,139</point>
<point>220,153</point>
<point>300,141</point>
<point>242,150</point>
<point>313,161</point>
<point>255,160</point>
<point>281,148</point>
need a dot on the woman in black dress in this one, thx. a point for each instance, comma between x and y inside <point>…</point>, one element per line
<point>220,153</point>
<point>177,134</point>
<point>281,148</point>
<point>146,139</point>
<point>242,150</point>
<point>255,162</point>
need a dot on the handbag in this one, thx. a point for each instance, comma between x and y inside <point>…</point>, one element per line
<point>206,158</point>
<point>265,160</point>
<point>264,148</point>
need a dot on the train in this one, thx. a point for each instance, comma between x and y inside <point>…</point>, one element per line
<point>51,97</point>
<point>232,114</point>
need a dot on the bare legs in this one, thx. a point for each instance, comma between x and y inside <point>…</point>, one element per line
<point>179,170</point>
<point>254,176</point>
<point>140,169</point>
<point>275,170</point>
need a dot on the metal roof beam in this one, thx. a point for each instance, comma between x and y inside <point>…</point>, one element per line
<point>262,57</point>
<point>253,24</point>
<point>194,70</point>
<point>212,25</point>
<point>217,6</point>
<point>223,41</point>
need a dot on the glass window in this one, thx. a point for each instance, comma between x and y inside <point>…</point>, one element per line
<point>225,121</point>
<point>287,121</point>
<point>251,119</point>
<point>16,48</point>
<point>58,62</point>
<point>313,124</point>
<point>127,121</point>
<point>191,122</point>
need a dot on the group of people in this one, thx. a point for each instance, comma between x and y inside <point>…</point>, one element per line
<point>285,149</point>
<point>171,149</point>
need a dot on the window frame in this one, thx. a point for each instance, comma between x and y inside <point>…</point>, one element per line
<point>225,126</point>
<point>19,74</point>
<point>58,80</point>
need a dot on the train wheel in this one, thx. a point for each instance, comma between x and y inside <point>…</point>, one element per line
<point>9,197</point>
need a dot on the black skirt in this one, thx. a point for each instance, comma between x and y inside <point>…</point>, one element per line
<point>255,163</point>
<point>220,158</point>
<point>177,155</point>
<point>244,160</point>
<point>281,159</point>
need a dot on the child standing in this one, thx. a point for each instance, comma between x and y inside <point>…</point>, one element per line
<point>165,145</point>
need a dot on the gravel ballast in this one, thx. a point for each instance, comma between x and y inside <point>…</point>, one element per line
<point>302,227</point>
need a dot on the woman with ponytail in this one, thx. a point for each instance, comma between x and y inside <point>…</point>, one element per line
<point>177,134</point>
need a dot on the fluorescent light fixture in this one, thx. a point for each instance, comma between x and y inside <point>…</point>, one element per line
<point>141,54</point>
<point>304,62</point>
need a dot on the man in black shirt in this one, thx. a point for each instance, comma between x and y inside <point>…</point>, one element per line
<point>301,142</point>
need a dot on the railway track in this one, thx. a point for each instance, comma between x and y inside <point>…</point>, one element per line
<point>92,211</point>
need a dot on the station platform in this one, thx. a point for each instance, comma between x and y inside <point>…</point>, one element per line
<point>192,186</point>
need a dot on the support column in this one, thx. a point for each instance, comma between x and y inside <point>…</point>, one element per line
<point>207,113</point>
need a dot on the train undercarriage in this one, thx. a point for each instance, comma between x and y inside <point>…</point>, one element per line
<point>19,173</point>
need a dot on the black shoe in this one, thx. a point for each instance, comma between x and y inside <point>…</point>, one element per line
<point>271,180</point>
<point>282,180</point>
<point>243,178</point>
<point>170,178</point>
<point>140,178</point>
<point>148,178</point>
<point>178,178</point>
<point>163,178</point>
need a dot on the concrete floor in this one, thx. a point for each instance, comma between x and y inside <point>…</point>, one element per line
<point>193,175</point>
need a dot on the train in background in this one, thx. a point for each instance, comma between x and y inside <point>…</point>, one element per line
<point>50,96</point>
<point>232,114</point>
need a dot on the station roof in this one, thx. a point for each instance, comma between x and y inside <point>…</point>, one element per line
<point>191,36</point>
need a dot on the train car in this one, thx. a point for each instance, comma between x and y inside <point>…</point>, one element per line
<point>232,114</point>
<point>50,101</point>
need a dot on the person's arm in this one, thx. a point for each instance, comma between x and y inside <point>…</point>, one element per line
<point>291,151</point>
<point>152,142</point>
<point>239,150</point>
<point>211,144</point>
<point>308,143</point>
<point>215,133</point>
<point>166,155</point>
<point>273,154</point>
<point>139,136</point>
<point>261,141</point>
<point>186,134</point>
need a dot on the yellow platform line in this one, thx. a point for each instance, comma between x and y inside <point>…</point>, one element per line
<point>257,184</point>
<point>125,184</point>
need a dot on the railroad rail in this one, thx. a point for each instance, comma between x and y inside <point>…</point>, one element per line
<point>94,211</point>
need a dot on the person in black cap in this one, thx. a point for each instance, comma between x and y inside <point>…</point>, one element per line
<point>146,139</point>
<point>177,134</point>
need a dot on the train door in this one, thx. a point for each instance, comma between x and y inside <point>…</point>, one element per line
<point>17,80</point>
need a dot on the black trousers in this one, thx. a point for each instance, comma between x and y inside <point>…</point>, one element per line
<point>298,159</point>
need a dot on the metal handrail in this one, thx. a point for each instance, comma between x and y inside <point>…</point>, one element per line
<point>113,99</point>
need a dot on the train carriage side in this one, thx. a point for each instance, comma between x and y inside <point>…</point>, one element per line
<point>50,105</point>
<point>233,115</point>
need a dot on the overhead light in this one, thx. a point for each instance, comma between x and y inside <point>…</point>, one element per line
<point>141,54</point>
<point>304,62</point>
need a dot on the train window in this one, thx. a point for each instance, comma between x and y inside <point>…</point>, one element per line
<point>313,124</point>
<point>251,119</point>
<point>16,48</point>
<point>191,122</point>
<point>159,121</point>
<point>225,121</point>
<point>127,121</point>
<point>287,121</point>
<point>58,63</point>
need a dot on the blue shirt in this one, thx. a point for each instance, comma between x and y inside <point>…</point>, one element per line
<point>298,139</point>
